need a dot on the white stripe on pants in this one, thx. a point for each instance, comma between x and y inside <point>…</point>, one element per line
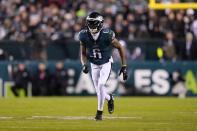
<point>100,75</point>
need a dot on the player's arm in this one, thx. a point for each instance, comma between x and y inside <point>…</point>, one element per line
<point>122,53</point>
<point>83,57</point>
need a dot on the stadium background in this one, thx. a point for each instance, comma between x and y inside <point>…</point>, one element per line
<point>45,31</point>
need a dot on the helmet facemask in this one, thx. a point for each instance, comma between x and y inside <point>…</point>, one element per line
<point>94,24</point>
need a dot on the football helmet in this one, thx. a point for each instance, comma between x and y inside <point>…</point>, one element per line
<point>94,22</point>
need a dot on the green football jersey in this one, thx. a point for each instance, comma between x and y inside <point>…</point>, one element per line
<point>98,51</point>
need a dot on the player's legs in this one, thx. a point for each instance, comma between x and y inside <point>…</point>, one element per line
<point>95,72</point>
<point>100,75</point>
<point>104,75</point>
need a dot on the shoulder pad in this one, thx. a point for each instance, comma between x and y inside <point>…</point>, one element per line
<point>81,35</point>
<point>109,32</point>
<point>83,31</point>
<point>106,30</point>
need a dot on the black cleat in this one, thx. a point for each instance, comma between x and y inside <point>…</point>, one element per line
<point>111,105</point>
<point>98,116</point>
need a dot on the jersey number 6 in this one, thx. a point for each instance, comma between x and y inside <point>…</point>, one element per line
<point>97,54</point>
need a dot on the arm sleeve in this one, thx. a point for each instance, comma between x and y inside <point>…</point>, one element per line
<point>111,35</point>
<point>80,36</point>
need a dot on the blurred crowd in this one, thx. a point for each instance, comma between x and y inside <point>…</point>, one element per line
<point>43,21</point>
<point>56,19</point>
<point>42,81</point>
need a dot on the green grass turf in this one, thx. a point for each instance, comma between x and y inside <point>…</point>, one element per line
<point>131,114</point>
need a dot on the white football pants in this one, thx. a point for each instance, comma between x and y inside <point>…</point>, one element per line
<point>100,75</point>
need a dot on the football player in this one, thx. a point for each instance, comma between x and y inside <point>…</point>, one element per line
<point>96,45</point>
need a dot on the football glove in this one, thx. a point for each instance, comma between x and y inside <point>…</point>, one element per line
<point>85,68</point>
<point>124,71</point>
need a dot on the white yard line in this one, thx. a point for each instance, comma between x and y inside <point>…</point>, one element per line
<point>27,127</point>
<point>186,112</point>
<point>121,117</point>
<point>70,117</point>
<point>5,117</point>
<point>81,117</point>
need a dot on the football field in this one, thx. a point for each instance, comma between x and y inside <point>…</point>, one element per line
<point>77,113</point>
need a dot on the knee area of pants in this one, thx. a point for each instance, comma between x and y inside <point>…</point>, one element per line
<point>101,85</point>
